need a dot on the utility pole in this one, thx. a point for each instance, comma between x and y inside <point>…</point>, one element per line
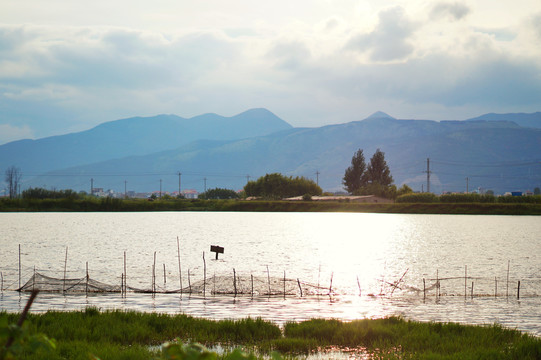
<point>205,180</point>
<point>467,185</point>
<point>125,189</point>
<point>428,174</point>
<point>92,186</point>
<point>179,183</point>
<point>247,179</point>
<point>160,188</point>
<point>317,177</point>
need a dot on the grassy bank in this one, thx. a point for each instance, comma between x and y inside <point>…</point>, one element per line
<point>92,205</point>
<point>131,335</point>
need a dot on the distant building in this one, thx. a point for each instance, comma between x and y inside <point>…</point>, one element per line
<point>190,194</point>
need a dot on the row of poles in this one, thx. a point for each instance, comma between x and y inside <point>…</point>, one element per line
<point>124,286</point>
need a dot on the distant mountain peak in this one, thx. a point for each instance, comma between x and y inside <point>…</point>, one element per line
<point>380,115</point>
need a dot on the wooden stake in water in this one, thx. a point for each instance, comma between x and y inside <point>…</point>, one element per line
<point>164,278</point>
<point>330,286</point>
<point>424,289</point>
<point>65,266</point>
<point>359,285</point>
<point>472,289</point>
<point>284,284</point>
<point>125,274</point>
<point>214,284</point>
<point>204,275</point>
<point>252,277</point>
<point>189,283</point>
<point>268,278</point>
<point>154,274</point>
<point>86,291</point>
<point>507,290</point>
<point>235,281</point>
<point>19,266</point>
<point>518,291</point>
<point>2,284</point>
<point>300,287</point>
<point>179,269</point>
<point>495,286</point>
<point>437,283</point>
<point>465,278</point>
<point>34,278</point>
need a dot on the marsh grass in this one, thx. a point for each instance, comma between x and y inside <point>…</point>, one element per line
<point>133,335</point>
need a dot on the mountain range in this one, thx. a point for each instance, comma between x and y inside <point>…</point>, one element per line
<point>500,152</point>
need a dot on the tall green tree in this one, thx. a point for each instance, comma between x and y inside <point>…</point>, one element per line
<point>378,170</point>
<point>219,193</point>
<point>355,175</point>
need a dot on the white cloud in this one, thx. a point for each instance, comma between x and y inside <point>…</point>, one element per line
<point>390,40</point>
<point>454,11</point>
<point>10,133</point>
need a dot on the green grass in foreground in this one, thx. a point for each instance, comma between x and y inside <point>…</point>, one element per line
<point>132,335</point>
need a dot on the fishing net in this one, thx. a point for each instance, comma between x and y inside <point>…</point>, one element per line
<point>224,285</point>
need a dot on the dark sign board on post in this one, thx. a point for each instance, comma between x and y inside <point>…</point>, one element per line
<point>217,249</point>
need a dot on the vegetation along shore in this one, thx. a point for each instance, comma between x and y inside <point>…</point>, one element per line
<point>108,204</point>
<point>113,334</point>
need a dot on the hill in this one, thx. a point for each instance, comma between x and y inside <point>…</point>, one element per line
<point>497,155</point>
<point>133,136</point>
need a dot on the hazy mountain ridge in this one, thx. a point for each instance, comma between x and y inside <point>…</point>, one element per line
<point>458,149</point>
<point>134,136</point>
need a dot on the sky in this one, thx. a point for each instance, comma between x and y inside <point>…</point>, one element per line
<point>68,66</point>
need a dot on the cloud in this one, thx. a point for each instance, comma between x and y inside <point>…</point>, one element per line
<point>454,11</point>
<point>389,40</point>
<point>10,133</point>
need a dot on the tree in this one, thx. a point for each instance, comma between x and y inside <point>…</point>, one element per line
<point>378,170</point>
<point>355,175</point>
<point>13,179</point>
<point>218,193</point>
<point>403,190</point>
<point>278,186</point>
<point>537,191</point>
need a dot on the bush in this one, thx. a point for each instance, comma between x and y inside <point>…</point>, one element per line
<point>417,198</point>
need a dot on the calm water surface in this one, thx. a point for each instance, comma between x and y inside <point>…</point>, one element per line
<point>362,253</point>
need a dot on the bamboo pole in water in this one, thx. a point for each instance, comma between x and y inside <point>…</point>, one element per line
<point>164,278</point>
<point>300,287</point>
<point>330,286</point>
<point>518,291</point>
<point>65,266</point>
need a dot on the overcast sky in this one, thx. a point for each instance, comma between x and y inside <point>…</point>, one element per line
<point>69,65</point>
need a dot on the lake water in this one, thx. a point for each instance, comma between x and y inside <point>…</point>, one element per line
<point>388,259</point>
